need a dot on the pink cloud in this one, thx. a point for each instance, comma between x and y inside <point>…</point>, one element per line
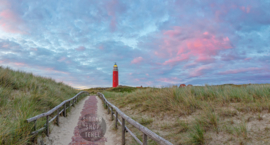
<point>5,45</point>
<point>11,22</point>
<point>205,33</point>
<point>221,11</point>
<point>62,59</point>
<point>111,8</point>
<point>81,48</point>
<point>173,33</point>
<point>201,46</point>
<point>20,64</point>
<point>34,49</point>
<point>245,9</point>
<point>169,80</point>
<point>248,9</point>
<point>101,47</point>
<point>137,60</point>
<point>149,83</point>
<point>113,24</point>
<point>190,65</point>
<point>199,71</point>
<point>235,71</point>
<point>52,70</point>
<point>176,59</point>
<point>137,80</point>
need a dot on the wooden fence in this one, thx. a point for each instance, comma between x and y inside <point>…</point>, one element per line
<point>146,132</point>
<point>70,102</point>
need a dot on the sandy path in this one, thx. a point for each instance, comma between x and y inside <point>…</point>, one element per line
<point>63,134</point>
<point>109,135</point>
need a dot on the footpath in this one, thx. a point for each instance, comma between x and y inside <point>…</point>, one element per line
<point>81,128</point>
<point>90,107</point>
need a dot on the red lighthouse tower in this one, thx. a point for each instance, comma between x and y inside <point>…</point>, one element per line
<point>115,76</point>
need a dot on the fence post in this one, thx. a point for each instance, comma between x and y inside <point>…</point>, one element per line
<point>116,118</point>
<point>112,113</point>
<point>123,131</point>
<point>35,125</point>
<point>57,118</point>
<point>73,102</point>
<point>47,126</point>
<point>65,108</point>
<point>65,112</point>
<point>144,139</point>
<point>108,109</point>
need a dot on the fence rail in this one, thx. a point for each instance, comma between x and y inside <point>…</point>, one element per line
<point>57,108</point>
<point>146,131</point>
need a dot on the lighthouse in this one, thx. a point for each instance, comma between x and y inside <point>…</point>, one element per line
<point>115,76</point>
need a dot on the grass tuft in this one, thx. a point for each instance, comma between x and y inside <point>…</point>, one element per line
<point>197,135</point>
<point>145,121</point>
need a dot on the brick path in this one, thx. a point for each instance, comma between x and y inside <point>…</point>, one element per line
<point>90,107</point>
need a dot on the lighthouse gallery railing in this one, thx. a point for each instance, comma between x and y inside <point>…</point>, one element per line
<point>145,130</point>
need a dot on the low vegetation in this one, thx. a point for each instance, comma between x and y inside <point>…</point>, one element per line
<point>22,96</point>
<point>121,89</point>
<point>224,114</point>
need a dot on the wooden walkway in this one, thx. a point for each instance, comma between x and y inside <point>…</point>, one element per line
<point>90,107</point>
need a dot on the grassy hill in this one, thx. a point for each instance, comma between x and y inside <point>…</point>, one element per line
<point>116,89</point>
<point>224,114</point>
<point>23,95</point>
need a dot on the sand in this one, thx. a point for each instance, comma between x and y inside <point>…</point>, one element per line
<point>62,135</point>
<point>110,135</point>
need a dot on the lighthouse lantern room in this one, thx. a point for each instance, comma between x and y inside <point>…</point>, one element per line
<point>115,76</point>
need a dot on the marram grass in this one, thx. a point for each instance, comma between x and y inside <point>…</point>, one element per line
<point>192,115</point>
<point>22,96</point>
<point>187,100</point>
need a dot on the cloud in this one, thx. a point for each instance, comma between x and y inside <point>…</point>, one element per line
<point>171,80</point>
<point>10,20</point>
<point>137,60</point>
<point>245,9</point>
<point>200,71</point>
<point>114,8</point>
<point>182,44</point>
<point>81,48</point>
<point>242,70</point>
<point>78,42</point>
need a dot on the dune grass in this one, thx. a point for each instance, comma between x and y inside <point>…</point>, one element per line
<point>22,96</point>
<point>121,89</point>
<point>193,115</point>
<point>186,100</point>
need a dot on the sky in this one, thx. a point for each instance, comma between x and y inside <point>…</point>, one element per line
<point>154,42</point>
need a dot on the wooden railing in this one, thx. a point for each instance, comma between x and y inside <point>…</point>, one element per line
<point>146,132</point>
<point>70,102</point>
